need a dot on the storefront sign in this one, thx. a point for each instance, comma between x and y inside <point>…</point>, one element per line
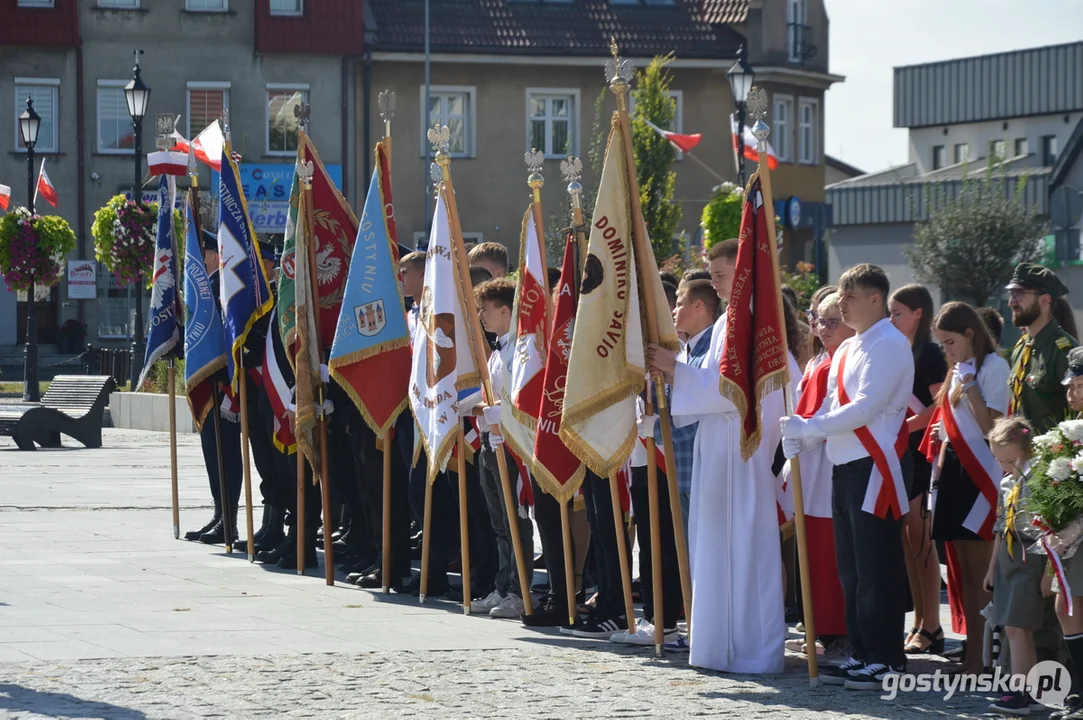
<point>82,280</point>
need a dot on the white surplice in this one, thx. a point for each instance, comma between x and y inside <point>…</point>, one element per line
<point>738,620</point>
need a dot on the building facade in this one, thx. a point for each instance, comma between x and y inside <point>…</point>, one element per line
<point>509,76</point>
<point>1012,112</point>
<point>252,59</point>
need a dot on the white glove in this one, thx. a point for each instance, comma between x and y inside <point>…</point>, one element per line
<point>798,428</point>
<point>495,441</point>
<point>965,368</point>
<point>325,374</point>
<point>645,425</point>
<point>491,413</point>
<point>325,408</point>
<point>792,447</point>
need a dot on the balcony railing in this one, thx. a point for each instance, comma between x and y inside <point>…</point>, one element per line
<point>799,43</point>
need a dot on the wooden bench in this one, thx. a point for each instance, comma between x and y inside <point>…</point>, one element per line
<point>74,406</point>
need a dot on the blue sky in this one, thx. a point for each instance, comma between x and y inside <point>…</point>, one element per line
<point>870,37</point>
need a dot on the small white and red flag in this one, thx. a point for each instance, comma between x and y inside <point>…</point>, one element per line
<point>45,187</point>
<point>207,146</point>
<point>751,153</point>
<point>168,162</point>
<point>684,143</point>
<point>5,197</point>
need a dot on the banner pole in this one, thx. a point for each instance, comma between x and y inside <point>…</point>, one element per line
<point>245,458</point>
<point>173,448</point>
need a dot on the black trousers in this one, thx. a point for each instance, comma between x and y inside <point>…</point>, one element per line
<point>401,449</point>
<point>444,511</point>
<point>603,540</point>
<point>266,457</point>
<point>671,574</point>
<point>869,554</point>
<point>231,456</point>
<point>483,555</point>
<point>547,518</point>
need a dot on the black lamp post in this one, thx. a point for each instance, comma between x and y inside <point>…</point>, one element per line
<point>741,78</point>
<point>29,124</point>
<point>137,94</point>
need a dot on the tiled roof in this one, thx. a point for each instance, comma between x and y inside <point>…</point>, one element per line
<point>724,12</point>
<point>580,28</point>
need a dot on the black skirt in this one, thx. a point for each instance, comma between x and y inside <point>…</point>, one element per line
<point>955,496</point>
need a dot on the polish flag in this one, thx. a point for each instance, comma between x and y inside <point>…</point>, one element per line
<point>5,196</point>
<point>750,146</point>
<point>684,143</point>
<point>166,162</point>
<point>207,146</point>
<point>45,187</point>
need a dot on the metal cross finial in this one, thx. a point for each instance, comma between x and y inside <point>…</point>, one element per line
<point>305,171</point>
<point>756,103</point>
<point>386,100</point>
<point>302,111</point>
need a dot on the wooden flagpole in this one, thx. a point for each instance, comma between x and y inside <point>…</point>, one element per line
<point>464,519</point>
<point>299,520</point>
<point>173,448</point>
<point>325,477</point>
<point>757,108</point>
<point>620,75</point>
<point>439,138</point>
<point>387,111</point>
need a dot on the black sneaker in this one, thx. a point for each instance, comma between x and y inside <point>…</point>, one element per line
<point>1014,703</point>
<point>840,674</point>
<point>601,628</point>
<point>871,677</point>
<point>546,614</point>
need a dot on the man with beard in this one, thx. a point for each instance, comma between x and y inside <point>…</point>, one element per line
<point>1040,358</point>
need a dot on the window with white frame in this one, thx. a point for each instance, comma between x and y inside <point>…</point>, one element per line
<point>206,5</point>
<point>115,132</point>
<point>282,101</point>
<point>552,121</point>
<point>44,92</point>
<point>782,132</point>
<point>808,152</point>
<point>119,4</point>
<point>455,107</point>
<point>797,29</point>
<point>207,102</point>
<point>678,113</point>
<point>287,7</point>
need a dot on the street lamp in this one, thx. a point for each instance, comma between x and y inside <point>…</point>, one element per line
<point>741,78</point>
<point>29,124</point>
<point>137,94</point>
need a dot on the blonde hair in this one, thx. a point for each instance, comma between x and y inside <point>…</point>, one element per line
<point>1012,431</point>
<point>829,301</point>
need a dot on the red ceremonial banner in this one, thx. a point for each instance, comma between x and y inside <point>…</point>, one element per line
<point>754,357</point>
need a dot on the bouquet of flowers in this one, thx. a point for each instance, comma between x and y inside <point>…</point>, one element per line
<point>32,248</point>
<point>124,235</point>
<point>1056,488</point>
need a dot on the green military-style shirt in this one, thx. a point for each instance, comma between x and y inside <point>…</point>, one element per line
<point>1042,399</point>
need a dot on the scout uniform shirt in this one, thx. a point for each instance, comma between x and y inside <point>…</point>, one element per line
<point>1038,367</point>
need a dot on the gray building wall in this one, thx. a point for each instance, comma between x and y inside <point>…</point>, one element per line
<point>180,47</point>
<point>881,245</point>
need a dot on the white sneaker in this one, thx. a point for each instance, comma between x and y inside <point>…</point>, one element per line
<point>485,604</point>
<point>622,636</point>
<point>647,638</point>
<point>510,608</point>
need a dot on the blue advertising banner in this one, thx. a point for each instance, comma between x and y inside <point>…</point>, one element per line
<point>267,190</point>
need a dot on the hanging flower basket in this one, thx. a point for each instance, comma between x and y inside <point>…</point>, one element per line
<point>124,234</point>
<point>32,248</point>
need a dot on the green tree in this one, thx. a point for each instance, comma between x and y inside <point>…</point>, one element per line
<point>654,155</point>
<point>971,243</point>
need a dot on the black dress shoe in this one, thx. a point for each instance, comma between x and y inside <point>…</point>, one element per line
<point>546,614</point>
<point>271,539</point>
<point>355,577</point>
<point>436,587</point>
<point>374,579</point>
<point>193,535</point>
<point>272,556</point>
<point>289,562</point>
<point>217,535</point>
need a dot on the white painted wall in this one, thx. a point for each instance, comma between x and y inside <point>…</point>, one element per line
<point>979,135</point>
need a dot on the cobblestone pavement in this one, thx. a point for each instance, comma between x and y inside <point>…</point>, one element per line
<point>104,615</point>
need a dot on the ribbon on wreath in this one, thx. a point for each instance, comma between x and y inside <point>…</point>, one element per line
<point>1058,564</point>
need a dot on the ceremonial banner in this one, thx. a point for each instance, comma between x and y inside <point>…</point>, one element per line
<point>606,365</point>
<point>164,332</point>
<point>307,357</point>
<point>754,358</point>
<point>278,383</point>
<point>442,362</point>
<point>557,470</point>
<point>204,339</point>
<point>335,228</point>
<point>245,291</point>
<point>370,356</point>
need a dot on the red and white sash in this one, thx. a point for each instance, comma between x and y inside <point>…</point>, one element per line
<point>916,406</point>
<point>886,491</point>
<point>968,441</point>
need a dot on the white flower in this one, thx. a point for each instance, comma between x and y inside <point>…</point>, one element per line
<point>1060,469</point>
<point>1045,440</point>
<point>1072,429</point>
<point>1077,464</point>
